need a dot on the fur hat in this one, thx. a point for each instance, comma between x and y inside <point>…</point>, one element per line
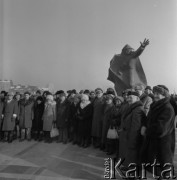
<point>39,98</point>
<point>59,92</point>
<point>148,87</point>
<point>134,93</point>
<point>162,90</point>
<point>98,89</point>
<point>38,92</point>
<point>110,91</point>
<point>73,91</point>
<point>86,91</point>
<point>109,96</point>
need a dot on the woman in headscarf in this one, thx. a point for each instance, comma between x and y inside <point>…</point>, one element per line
<point>49,117</point>
<point>84,116</point>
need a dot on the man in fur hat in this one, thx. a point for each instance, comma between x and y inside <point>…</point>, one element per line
<point>159,130</point>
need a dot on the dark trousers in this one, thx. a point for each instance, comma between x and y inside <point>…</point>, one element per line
<point>63,135</point>
<point>26,133</point>
<point>8,136</point>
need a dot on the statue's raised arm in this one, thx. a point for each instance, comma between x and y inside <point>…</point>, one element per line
<point>139,51</point>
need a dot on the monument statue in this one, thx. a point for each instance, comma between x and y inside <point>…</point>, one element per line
<point>126,70</point>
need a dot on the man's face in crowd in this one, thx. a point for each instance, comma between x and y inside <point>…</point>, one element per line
<point>27,96</point>
<point>72,95</point>
<point>18,97</point>
<point>92,95</point>
<point>109,101</point>
<point>158,96</point>
<point>148,91</point>
<point>9,97</point>
<point>62,98</point>
<point>132,99</point>
<point>99,94</point>
<point>140,92</point>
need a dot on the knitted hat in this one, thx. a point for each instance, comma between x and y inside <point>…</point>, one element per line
<point>163,90</point>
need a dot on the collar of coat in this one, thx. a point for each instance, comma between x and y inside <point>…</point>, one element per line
<point>23,102</point>
<point>159,104</point>
<point>132,107</point>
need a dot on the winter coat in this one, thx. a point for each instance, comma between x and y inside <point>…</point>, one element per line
<point>130,136</point>
<point>72,116</point>
<point>108,114</point>
<point>10,108</point>
<point>1,111</point>
<point>62,114</point>
<point>49,116</point>
<point>160,134</point>
<point>147,101</point>
<point>97,120</point>
<point>26,113</point>
<point>38,113</point>
<point>84,118</point>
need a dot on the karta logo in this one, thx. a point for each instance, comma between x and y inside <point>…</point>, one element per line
<point>114,170</point>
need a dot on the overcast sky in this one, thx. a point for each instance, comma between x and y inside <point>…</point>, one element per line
<point>70,42</point>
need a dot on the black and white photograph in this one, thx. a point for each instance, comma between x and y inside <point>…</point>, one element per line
<point>88,89</point>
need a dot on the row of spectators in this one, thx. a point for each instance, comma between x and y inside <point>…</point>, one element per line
<point>140,123</point>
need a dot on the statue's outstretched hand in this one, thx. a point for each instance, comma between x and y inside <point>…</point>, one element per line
<point>145,42</point>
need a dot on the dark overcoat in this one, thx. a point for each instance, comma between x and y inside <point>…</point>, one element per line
<point>108,114</point>
<point>26,113</point>
<point>160,134</point>
<point>130,136</point>
<point>62,114</point>
<point>38,113</point>
<point>1,111</point>
<point>84,118</point>
<point>97,120</point>
<point>72,116</point>
<point>49,116</point>
<point>10,108</point>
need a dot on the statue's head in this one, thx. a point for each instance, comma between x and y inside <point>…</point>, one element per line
<point>127,49</point>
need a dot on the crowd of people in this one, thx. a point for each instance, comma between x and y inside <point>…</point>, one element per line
<point>138,126</point>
